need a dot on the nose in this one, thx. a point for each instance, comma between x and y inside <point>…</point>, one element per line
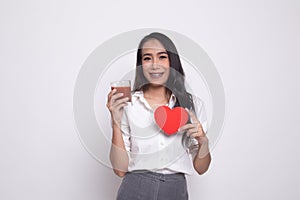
<point>155,63</point>
<point>154,66</point>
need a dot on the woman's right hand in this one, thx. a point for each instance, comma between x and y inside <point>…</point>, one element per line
<point>115,104</point>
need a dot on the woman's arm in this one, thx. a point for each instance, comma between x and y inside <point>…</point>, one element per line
<point>118,154</point>
<point>202,159</point>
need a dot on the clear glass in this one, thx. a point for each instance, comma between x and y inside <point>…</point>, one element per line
<point>189,143</point>
<point>123,86</point>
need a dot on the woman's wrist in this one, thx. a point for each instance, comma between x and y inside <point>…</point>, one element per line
<point>115,123</point>
<point>203,147</point>
<point>203,140</point>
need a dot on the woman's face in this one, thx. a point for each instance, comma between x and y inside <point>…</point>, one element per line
<point>155,62</point>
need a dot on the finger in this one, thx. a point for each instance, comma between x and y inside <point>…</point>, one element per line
<point>191,131</point>
<point>111,93</point>
<point>199,127</point>
<point>200,131</point>
<point>196,135</point>
<point>121,105</point>
<point>111,103</point>
<point>114,97</point>
<point>120,101</point>
<point>110,96</point>
<point>186,127</point>
<point>118,106</point>
<point>193,116</point>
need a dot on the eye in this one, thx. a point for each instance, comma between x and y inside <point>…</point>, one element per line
<point>163,57</point>
<point>147,58</point>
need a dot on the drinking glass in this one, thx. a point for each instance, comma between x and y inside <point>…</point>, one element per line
<point>189,143</point>
<point>123,86</point>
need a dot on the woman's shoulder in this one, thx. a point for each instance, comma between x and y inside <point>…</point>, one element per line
<point>199,105</point>
<point>196,99</point>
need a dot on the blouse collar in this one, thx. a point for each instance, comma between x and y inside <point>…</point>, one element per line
<point>139,95</point>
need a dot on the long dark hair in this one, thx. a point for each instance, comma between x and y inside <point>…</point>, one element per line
<point>175,83</point>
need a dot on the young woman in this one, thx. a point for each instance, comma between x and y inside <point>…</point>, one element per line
<point>152,163</point>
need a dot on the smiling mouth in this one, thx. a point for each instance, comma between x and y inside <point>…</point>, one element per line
<point>156,75</point>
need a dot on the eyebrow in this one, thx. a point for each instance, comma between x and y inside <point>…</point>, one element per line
<point>159,53</point>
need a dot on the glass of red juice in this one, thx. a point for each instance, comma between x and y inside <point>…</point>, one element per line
<point>123,86</point>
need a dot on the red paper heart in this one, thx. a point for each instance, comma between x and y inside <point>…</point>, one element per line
<point>170,120</point>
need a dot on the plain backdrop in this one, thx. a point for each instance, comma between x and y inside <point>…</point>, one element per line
<point>254,44</point>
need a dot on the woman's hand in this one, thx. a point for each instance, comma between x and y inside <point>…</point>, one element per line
<point>195,129</point>
<point>115,104</point>
<point>202,158</point>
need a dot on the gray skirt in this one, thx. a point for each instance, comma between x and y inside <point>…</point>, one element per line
<point>141,185</point>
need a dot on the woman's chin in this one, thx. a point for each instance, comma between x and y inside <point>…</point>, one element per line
<point>156,84</point>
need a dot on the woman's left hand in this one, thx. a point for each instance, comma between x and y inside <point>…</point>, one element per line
<point>195,129</point>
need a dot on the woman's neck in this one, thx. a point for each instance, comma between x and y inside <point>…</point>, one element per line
<point>158,93</point>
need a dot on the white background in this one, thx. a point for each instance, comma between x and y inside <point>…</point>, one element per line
<point>254,44</point>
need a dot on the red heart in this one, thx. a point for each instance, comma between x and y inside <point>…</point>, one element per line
<point>170,120</point>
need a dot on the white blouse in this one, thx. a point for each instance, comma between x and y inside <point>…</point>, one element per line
<point>147,146</point>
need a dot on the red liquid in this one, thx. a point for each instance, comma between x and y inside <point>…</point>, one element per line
<point>125,90</point>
